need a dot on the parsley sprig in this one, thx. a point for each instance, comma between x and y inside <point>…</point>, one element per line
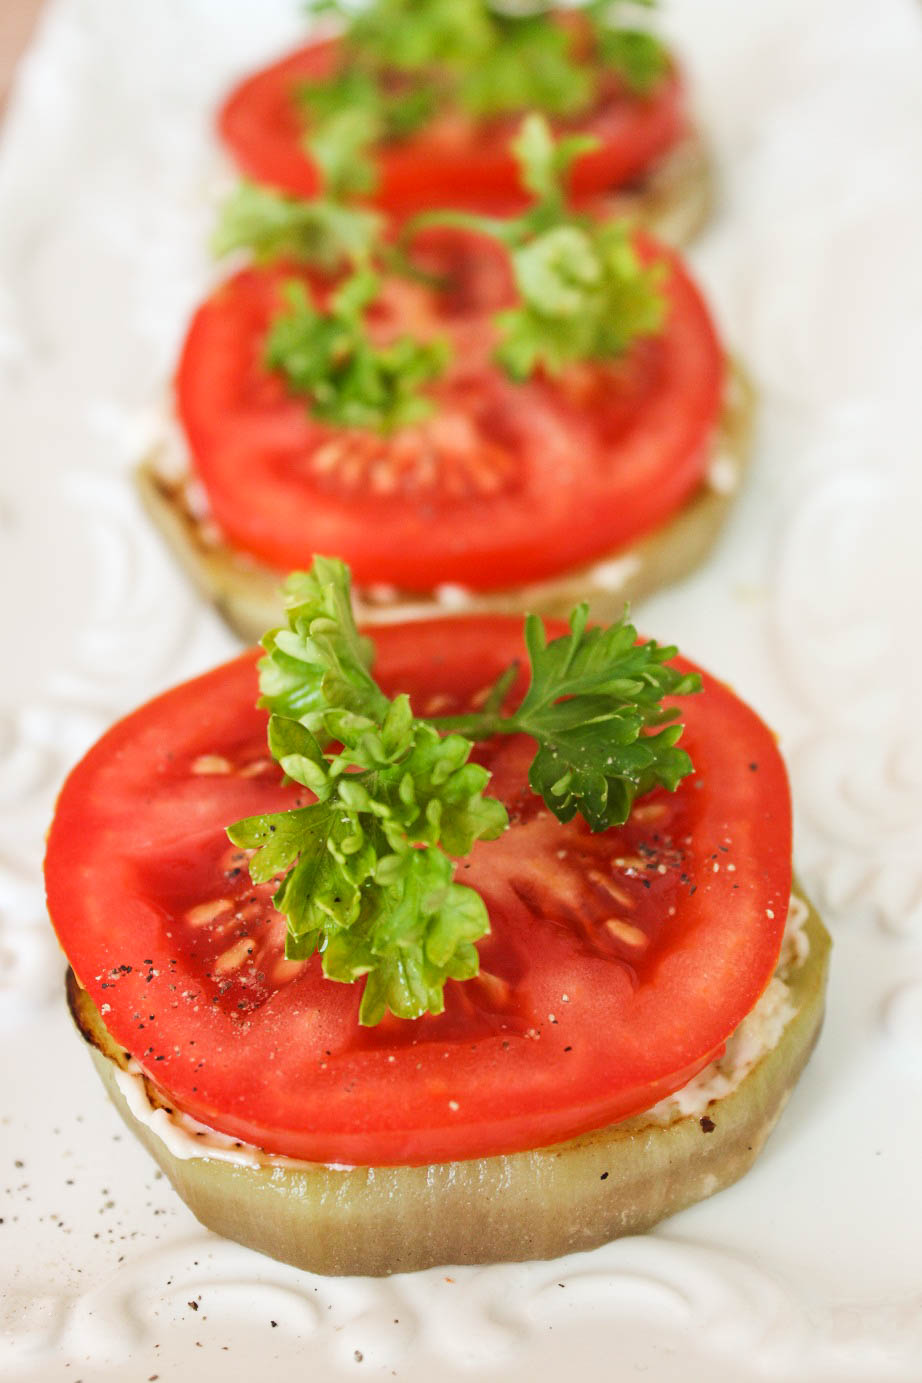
<point>367,870</point>
<point>391,112</point>
<point>403,59</point>
<point>329,356</point>
<point>595,694</point>
<point>637,55</point>
<point>369,879</point>
<point>328,230</point>
<point>272,225</point>
<point>584,291</point>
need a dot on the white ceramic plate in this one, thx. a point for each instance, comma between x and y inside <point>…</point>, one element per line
<point>809,1269</point>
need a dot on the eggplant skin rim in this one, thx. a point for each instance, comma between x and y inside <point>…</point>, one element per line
<point>538,1204</point>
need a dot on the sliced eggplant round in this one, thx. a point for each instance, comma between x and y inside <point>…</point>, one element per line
<point>536,1204</point>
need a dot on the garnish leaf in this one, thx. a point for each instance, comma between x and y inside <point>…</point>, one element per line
<point>545,162</point>
<point>366,871</point>
<point>340,149</point>
<point>330,357</point>
<point>388,112</point>
<point>368,874</point>
<point>271,225</point>
<point>594,694</point>
<point>319,660</point>
<point>585,293</point>
<point>403,58</point>
<point>637,55</point>
<point>529,65</point>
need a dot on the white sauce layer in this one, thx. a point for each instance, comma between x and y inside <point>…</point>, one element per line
<point>758,1033</point>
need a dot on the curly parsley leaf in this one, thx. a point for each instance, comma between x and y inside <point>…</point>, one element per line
<point>328,230</point>
<point>544,166</point>
<point>388,111</point>
<point>529,65</point>
<point>319,658</point>
<point>584,291</point>
<point>329,357</point>
<point>637,55</point>
<point>272,225</point>
<point>585,294</point>
<point>593,698</point>
<point>404,59</point>
<point>391,54</point>
<point>368,876</point>
<point>366,871</point>
<point>417,35</point>
<point>593,705</point>
<point>340,149</point>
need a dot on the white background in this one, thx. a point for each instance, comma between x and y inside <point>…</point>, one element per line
<point>811,1268</point>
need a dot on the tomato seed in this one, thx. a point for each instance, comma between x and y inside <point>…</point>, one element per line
<point>258,766</point>
<point>620,895</point>
<point>234,956</point>
<point>497,990</point>
<point>203,913</point>
<point>624,931</point>
<point>285,970</point>
<point>212,763</point>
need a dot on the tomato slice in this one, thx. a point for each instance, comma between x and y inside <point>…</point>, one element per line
<point>506,483</point>
<point>617,964</point>
<point>452,162</point>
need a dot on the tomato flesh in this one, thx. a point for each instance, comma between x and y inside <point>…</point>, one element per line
<point>617,964</point>
<point>453,161</point>
<point>503,484</point>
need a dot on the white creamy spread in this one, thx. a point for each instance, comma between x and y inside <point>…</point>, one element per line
<point>758,1033</point>
<point>723,473</point>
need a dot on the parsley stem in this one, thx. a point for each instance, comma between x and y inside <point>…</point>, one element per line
<point>501,688</point>
<point>481,725</point>
<point>506,230</point>
<point>397,261</point>
<point>477,725</point>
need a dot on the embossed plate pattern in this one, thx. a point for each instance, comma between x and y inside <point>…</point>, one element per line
<point>811,1268</point>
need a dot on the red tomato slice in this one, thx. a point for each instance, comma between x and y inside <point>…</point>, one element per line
<point>505,483</point>
<point>617,965</point>
<point>452,162</point>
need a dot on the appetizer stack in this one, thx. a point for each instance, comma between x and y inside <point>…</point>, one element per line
<point>495,409</point>
<point>477,412</point>
<point>441,947</point>
<point>440,87</point>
